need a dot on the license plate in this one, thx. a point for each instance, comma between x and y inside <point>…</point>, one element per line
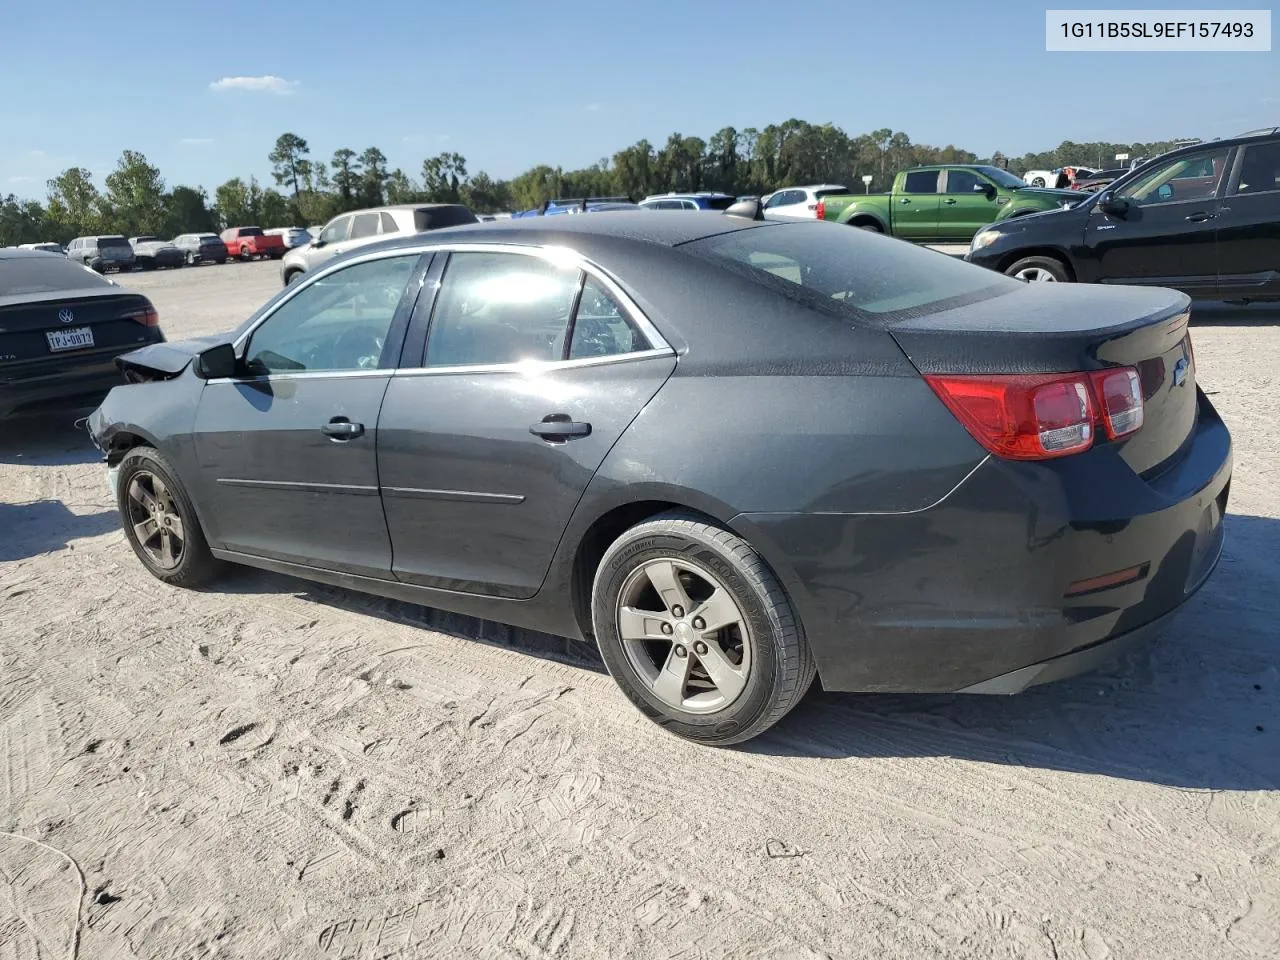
<point>71,339</point>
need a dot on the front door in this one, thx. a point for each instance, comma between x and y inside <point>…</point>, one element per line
<point>915,206</point>
<point>532,370</point>
<point>1248,238</point>
<point>968,204</point>
<point>287,451</point>
<point>1168,234</point>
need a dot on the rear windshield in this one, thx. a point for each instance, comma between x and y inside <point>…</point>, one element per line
<point>147,239</point>
<point>207,238</point>
<point>835,266</point>
<point>433,218</point>
<point>830,192</point>
<point>26,275</point>
<point>720,203</point>
<point>250,231</point>
<point>112,242</point>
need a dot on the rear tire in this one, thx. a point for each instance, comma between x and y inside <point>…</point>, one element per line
<point>1039,270</point>
<point>735,661</point>
<point>160,523</point>
<point>190,259</point>
<point>1037,181</point>
<point>869,225</point>
<point>245,255</point>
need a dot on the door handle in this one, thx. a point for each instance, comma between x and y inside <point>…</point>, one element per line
<point>905,200</point>
<point>1199,217</point>
<point>949,202</point>
<point>558,428</point>
<point>342,429</point>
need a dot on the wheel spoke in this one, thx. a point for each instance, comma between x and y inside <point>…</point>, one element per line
<point>145,530</point>
<point>672,677</point>
<point>728,677</point>
<point>636,626</point>
<point>665,579</point>
<point>718,611</point>
<point>175,526</point>
<point>141,494</point>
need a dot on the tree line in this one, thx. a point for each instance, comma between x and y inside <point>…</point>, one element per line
<point>309,190</point>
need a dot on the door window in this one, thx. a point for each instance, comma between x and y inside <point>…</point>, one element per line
<point>921,181</point>
<point>1193,177</point>
<point>964,181</point>
<point>364,225</point>
<point>500,308</point>
<point>336,230</point>
<point>338,322</point>
<point>600,328</point>
<point>1260,169</point>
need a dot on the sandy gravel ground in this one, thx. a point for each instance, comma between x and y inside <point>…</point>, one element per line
<point>274,769</point>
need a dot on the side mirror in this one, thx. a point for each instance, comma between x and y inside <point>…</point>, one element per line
<point>216,363</point>
<point>1111,204</point>
<point>985,189</point>
<point>747,209</point>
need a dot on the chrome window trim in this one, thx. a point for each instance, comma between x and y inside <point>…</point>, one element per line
<point>556,254</point>
<point>531,368</point>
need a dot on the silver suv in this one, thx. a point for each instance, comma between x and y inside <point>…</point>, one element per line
<point>351,230</point>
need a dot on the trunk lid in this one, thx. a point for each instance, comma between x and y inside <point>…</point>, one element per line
<point>1061,328</point>
<point>25,321</point>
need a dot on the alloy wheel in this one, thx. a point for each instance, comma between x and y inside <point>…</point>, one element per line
<point>684,635</point>
<point>1036,275</point>
<point>154,517</point>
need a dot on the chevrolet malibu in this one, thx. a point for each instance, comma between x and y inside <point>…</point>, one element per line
<point>733,453</point>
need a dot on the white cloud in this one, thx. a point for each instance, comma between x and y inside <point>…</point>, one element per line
<point>592,108</point>
<point>196,141</point>
<point>35,153</point>
<point>266,84</point>
<point>443,138</point>
<point>21,179</point>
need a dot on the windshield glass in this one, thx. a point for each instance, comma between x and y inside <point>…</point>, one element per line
<point>835,266</point>
<point>1003,177</point>
<point>45,275</point>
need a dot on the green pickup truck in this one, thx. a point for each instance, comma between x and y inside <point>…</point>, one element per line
<point>947,202</point>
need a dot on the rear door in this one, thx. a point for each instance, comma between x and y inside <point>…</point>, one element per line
<point>533,368</point>
<point>965,205</point>
<point>1168,236</point>
<point>287,450</point>
<point>1249,225</point>
<point>915,206</point>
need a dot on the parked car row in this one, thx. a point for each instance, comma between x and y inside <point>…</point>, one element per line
<point>105,252</point>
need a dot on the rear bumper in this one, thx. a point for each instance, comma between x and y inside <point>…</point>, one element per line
<point>63,383</point>
<point>982,590</point>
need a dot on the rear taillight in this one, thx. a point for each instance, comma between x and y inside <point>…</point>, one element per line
<point>1039,417</point>
<point>820,211</point>
<point>146,316</point>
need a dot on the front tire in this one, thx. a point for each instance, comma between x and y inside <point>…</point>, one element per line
<point>1037,181</point>
<point>1039,270</point>
<point>160,523</point>
<point>697,631</point>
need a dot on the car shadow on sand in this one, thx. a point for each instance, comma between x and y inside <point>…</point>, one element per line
<point>1198,708</point>
<point>47,440</point>
<point>43,526</point>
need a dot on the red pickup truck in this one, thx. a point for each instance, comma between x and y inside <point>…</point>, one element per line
<point>250,242</point>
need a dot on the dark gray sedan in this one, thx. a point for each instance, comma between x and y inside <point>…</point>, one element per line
<point>733,453</point>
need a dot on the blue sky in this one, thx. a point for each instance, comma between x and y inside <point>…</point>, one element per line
<point>512,83</point>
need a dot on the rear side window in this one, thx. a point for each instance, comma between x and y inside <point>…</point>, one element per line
<point>364,225</point>
<point>388,224</point>
<point>250,231</point>
<point>500,308</point>
<point>1260,169</point>
<point>40,275</point>
<point>921,181</point>
<point>600,329</point>
<point>850,270</point>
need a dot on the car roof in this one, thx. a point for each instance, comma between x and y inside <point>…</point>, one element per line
<point>15,253</point>
<point>640,226</point>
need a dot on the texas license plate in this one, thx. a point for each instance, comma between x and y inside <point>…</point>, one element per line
<point>71,339</point>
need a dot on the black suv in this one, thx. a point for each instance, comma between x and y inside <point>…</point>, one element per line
<point>1204,219</point>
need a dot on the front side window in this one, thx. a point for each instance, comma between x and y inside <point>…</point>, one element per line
<point>1193,177</point>
<point>921,181</point>
<point>600,328</point>
<point>339,322</point>
<point>336,230</point>
<point>1260,169</point>
<point>500,308</point>
<point>364,225</point>
<point>964,182</point>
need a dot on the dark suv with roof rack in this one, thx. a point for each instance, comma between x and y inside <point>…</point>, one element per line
<point>1204,219</point>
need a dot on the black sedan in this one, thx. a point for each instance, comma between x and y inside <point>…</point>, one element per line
<point>61,327</point>
<point>732,453</point>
